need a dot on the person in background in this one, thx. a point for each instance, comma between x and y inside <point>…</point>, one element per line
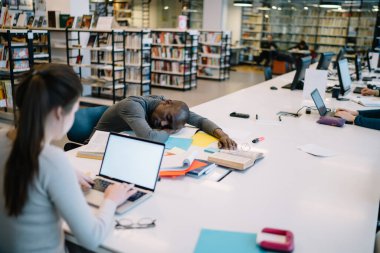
<point>155,118</point>
<point>367,118</point>
<point>370,92</point>
<point>269,51</point>
<point>302,45</point>
<point>38,186</point>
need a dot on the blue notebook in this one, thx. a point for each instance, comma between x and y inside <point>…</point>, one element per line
<point>226,242</point>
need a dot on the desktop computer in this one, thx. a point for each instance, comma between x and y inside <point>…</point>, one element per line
<point>344,77</point>
<point>325,60</point>
<point>301,67</point>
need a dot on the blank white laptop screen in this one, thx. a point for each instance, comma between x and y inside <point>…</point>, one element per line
<point>132,160</point>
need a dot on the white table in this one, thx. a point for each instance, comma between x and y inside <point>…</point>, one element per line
<point>330,204</point>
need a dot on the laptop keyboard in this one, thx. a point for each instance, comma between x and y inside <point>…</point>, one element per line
<point>136,196</point>
<point>101,185</point>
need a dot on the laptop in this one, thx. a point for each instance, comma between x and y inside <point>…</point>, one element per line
<point>318,101</point>
<point>128,160</point>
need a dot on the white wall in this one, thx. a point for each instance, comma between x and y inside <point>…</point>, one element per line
<point>213,14</point>
<point>234,20</point>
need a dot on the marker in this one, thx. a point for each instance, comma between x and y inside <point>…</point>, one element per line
<point>256,140</point>
<point>279,118</point>
<point>257,116</point>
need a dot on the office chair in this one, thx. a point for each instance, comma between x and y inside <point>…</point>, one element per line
<point>267,73</point>
<point>84,123</point>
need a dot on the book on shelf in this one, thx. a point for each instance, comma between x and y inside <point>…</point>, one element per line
<point>78,22</point>
<point>79,59</point>
<point>52,19</point>
<point>103,39</point>
<point>3,98</point>
<point>104,23</point>
<point>86,21</point>
<point>235,159</point>
<point>8,19</point>
<point>20,53</point>
<point>63,19</point>
<point>91,40</point>
<point>6,94</point>
<point>3,15</point>
<point>15,18</point>
<point>30,21</point>
<point>70,22</point>
<point>21,22</point>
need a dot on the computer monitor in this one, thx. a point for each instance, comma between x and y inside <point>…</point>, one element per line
<point>339,56</point>
<point>325,60</point>
<point>369,61</point>
<point>301,66</point>
<point>358,68</point>
<point>344,77</point>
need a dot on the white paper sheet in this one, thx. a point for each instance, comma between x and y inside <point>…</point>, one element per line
<point>178,162</point>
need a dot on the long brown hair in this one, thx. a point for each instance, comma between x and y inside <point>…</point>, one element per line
<point>41,90</point>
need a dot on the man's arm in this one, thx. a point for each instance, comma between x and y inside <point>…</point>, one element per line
<point>370,113</point>
<point>211,128</point>
<point>134,114</point>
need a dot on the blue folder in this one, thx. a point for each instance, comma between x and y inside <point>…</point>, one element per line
<point>226,242</point>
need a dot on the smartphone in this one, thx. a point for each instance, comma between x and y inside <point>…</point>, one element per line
<point>239,115</point>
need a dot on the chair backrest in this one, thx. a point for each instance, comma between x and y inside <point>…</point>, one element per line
<point>268,73</point>
<point>84,123</point>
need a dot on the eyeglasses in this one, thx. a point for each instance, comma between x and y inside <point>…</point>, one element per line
<point>129,224</point>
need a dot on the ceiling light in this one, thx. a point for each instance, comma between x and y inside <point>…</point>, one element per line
<point>243,3</point>
<point>329,4</point>
<point>279,8</point>
<point>166,7</point>
<point>266,16</point>
<point>274,7</point>
<point>305,8</point>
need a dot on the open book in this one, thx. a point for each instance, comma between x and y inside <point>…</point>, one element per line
<point>178,162</point>
<point>367,101</point>
<point>95,147</point>
<point>235,159</point>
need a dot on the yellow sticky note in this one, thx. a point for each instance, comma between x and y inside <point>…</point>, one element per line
<point>201,139</point>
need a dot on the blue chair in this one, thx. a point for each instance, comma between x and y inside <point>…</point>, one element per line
<point>84,123</point>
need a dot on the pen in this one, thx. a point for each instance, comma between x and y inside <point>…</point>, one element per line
<point>279,117</point>
<point>258,139</point>
<point>257,116</point>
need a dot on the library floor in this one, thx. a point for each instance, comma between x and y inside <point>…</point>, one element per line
<point>245,76</point>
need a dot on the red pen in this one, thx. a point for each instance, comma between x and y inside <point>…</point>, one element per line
<point>258,139</point>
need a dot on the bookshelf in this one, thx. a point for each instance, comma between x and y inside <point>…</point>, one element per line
<point>324,30</point>
<point>138,45</point>
<point>214,55</point>
<point>107,61</point>
<point>20,49</point>
<point>174,59</point>
<point>251,32</point>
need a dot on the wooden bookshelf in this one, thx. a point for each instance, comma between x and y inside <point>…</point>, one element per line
<point>214,55</point>
<point>174,59</point>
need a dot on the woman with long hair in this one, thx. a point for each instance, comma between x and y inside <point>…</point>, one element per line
<point>38,185</point>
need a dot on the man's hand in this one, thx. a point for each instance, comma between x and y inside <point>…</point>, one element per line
<point>345,115</point>
<point>225,141</point>
<point>368,92</point>
<point>353,113</point>
<point>84,180</point>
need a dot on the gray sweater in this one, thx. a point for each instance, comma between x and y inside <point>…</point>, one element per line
<point>54,195</point>
<point>133,113</point>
